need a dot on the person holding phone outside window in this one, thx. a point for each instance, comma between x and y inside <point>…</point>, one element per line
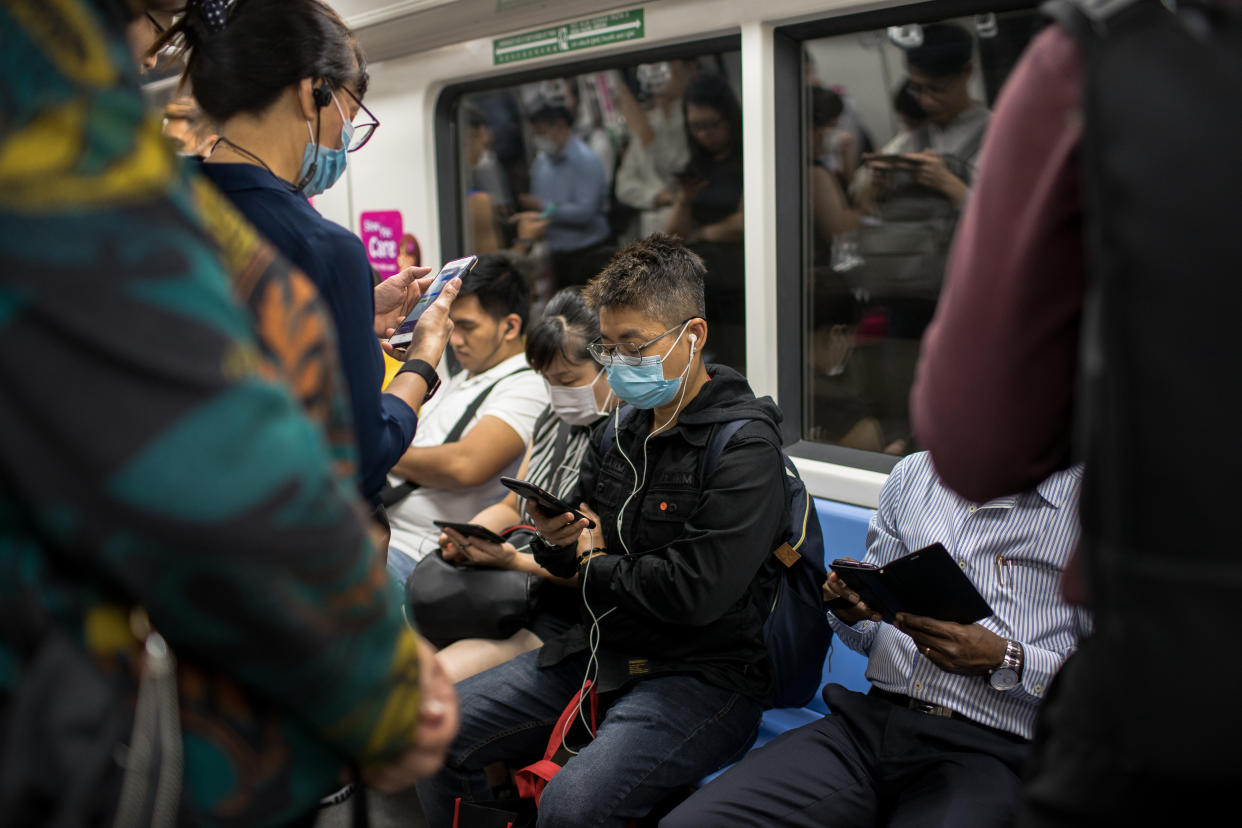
<point>556,347</point>
<point>284,80</point>
<point>707,210</point>
<point>708,203</point>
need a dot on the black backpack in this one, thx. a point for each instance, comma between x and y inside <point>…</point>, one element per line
<point>790,585</point>
<point>1161,156</point>
<point>1162,161</point>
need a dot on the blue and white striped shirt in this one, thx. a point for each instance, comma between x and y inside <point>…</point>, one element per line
<point>1013,549</point>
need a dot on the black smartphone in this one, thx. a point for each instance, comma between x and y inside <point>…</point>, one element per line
<point>548,503</point>
<point>470,530</point>
<point>458,267</point>
<point>859,577</point>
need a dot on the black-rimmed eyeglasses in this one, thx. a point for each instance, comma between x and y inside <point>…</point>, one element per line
<point>363,131</point>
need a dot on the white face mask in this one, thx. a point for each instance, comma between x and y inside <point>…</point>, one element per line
<point>576,405</point>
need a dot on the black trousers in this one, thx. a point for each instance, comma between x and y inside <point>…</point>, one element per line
<point>1133,732</point>
<point>870,762</point>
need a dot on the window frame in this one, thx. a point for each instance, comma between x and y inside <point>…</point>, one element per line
<point>447,137</point>
<point>792,205</point>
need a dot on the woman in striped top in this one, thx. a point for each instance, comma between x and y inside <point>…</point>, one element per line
<point>556,347</point>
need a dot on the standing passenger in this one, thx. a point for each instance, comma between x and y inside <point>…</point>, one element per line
<point>918,200</point>
<point>180,498</point>
<point>657,152</point>
<point>568,188</point>
<point>283,79</point>
<point>1090,309</point>
<point>707,210</point>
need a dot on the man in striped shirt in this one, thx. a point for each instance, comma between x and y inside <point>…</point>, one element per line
<point>942,735</point>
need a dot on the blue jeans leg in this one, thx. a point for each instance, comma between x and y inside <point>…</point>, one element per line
<point>659,736</point>
<point>400,565</point>
<point>507,713</point>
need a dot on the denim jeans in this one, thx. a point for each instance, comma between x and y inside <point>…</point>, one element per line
<point>657,736</point>
<point>400,565</point>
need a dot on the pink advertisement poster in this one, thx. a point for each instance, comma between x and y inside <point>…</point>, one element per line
<point>381,233</point>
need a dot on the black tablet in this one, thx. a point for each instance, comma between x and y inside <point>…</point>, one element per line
<point>926,582</point>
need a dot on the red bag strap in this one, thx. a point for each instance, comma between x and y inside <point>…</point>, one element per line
<point>517,527</point>
<point>532,779</point>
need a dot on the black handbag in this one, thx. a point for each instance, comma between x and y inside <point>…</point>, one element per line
<point>449,602</point>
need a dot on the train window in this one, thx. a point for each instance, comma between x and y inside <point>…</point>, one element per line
<point>892,122</point>
<point>563,170</point>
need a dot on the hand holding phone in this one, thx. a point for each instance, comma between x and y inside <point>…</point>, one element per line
<point>843,599</point>
<point>405,333</point>
<point>470,530</point>
<point>547,503</point>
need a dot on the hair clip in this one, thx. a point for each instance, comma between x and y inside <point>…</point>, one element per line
<point>215,13</point>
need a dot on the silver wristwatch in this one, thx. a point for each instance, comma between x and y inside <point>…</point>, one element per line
<point>1009,673</point>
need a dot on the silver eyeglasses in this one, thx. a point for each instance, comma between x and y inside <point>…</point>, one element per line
<point>627,353</point>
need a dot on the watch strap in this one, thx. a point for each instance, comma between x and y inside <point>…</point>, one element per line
<point>1012,659</point>
<point>1013,656</point>
<point>425,370</point>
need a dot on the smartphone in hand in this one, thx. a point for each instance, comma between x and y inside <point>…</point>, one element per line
<point>548,503</point>
<point>470,530</point>
<point>458,267</point>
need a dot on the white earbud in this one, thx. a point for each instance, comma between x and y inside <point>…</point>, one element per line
<point>693,339</point>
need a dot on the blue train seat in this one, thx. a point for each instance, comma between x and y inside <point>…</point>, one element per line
<point>845,532</point>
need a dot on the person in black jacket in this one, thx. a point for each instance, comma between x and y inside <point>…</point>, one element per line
<point>672,624</point>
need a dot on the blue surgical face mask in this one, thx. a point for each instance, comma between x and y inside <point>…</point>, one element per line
<point>331,162</point>
<point>643,385</point>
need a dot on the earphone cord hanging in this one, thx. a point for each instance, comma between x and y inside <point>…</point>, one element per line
<point>594,636</point>
<point>593,640</point>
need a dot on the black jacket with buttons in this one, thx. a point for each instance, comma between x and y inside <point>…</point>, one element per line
<point>682,553</point>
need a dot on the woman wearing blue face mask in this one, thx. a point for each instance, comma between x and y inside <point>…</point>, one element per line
<point>556,347</point>
<point>284,80</point>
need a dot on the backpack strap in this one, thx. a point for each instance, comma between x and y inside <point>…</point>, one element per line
<point>787,553</point>
<point>392,495</point>
<point>609,431</point>
<point>721,435</point>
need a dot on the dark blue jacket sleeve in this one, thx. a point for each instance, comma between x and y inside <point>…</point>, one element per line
<point>384,424</point>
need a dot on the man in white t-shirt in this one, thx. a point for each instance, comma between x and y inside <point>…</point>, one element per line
<point>475,429</point>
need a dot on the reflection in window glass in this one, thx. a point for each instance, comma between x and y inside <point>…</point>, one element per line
<point>894,124</point>
<point>564,171</point>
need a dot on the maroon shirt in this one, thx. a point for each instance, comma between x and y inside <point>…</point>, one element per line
<point>993,396</point>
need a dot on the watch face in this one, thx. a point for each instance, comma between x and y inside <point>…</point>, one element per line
<point>1006,678</point>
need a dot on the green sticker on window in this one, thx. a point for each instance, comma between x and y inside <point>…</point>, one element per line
<point>570,37</point>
